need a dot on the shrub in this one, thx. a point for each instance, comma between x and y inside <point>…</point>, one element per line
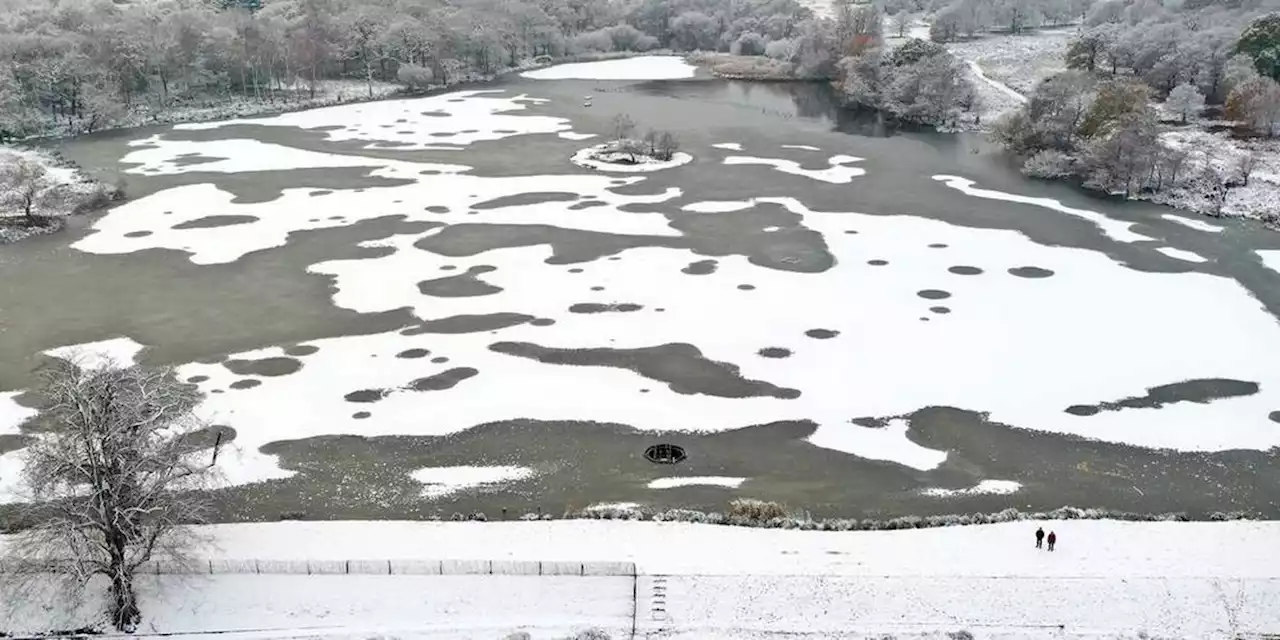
<point>754,510</point>
<point>519,635</point>
<point>591,634</point>
<point>415,77</point>
<point>781,50</point>
<point>478,517</point>
<point>748,44</point>
<point>1049,164</point>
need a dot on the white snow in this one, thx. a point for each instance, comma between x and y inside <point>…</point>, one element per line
<point>121,351</point>
<point>56,173</point>
<point>730,146</point>
<point>802,147</point>
<point>879,443</point>
<point>690,481</point>
<point>999,86</point>
<point>12,414</point>
<point>1225,154</point>
<point>589,158</point>
<point>444,481</point>
<point>836,173</point>
<point>1036,342</point>
<point>159,156</point>
<point>1117,230</point>
<point>637,68</point>
<point>1198,225</point>
<point>573,135</point>
<point>1208,581</point>
<point>1270,258</point>
<point>718,206</point>
<point>446,121</point>
<point>993,487</point>
<point>1182,254</point>
<point>268,224</point>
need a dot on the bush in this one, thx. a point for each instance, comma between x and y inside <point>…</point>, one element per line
<point>781,50</point>
<point>415,77</point>
<point>753,510</point>
<point>1049,164</point>
<point>748,44</point>
<point>591,634</point>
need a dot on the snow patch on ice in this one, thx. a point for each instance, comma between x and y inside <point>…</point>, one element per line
<point>159,156</point>
<point>836,173</point>
<point>1198,225</point>
<point>1117,230</point>
<point>574,135</point>
<point>993,487</point>
<point>443,481</point>
<point>1182,254</point>
<point>718,206</point>
<point>446,121</point>
<point>121,352</point>
<point>802,147</point>
<point>690,481</point>
<point>1270,258</point>
<point>637,68</point>
<point>889,442</point>
<point>730,146</point>
<point>161,220</point>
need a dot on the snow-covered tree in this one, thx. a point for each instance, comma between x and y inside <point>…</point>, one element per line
<point>1256,102</point>
<point>112,477</point>
<point>25,187</point>
<point>1261,42</point>
<point>1185,101</point>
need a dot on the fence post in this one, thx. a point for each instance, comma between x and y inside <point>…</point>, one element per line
<point>389,572</point>
<point>210,567</point>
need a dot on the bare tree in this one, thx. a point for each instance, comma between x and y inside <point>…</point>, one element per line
<point>667,146</point>
<point>113,477</point>
<point>25,186</point>
<point>1245,165</point>
<point>623,126</point>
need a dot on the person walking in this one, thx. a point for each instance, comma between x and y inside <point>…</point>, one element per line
<point>1053,538</point>
<point>1039,537</point>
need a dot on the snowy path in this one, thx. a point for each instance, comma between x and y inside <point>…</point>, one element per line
<point>1107,579</point>
<point>999,86</point>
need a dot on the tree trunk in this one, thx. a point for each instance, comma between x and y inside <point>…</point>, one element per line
<point>124,603</point>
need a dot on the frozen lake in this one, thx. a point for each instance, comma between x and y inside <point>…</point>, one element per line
<point>417,307</point>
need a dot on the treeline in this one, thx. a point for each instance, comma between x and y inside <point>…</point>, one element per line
<point>970,18</point>
<point>81,65</point>
<point>1136,64</point>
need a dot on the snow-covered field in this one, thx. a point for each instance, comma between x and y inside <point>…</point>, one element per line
<point>1262,193</point>
<point>1106,579</point>
<point>1019,62</point>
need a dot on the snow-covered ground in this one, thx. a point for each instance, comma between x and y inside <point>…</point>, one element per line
<point>1262,193</point>
<point>638,68</point>
<point>1105,579</point>
<point>1019,62</point>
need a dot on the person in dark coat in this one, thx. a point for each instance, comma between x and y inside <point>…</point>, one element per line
<point>1053,537</point>
<point>1039,538</point>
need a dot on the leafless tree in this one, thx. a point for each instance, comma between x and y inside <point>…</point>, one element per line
<point>25,186</point>
<point>113,477</point>
<point>667,146</point>
<point>623,126</point>
<point>1245,165</point>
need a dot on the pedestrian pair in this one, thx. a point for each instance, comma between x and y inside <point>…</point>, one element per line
<point>1053,538</point>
